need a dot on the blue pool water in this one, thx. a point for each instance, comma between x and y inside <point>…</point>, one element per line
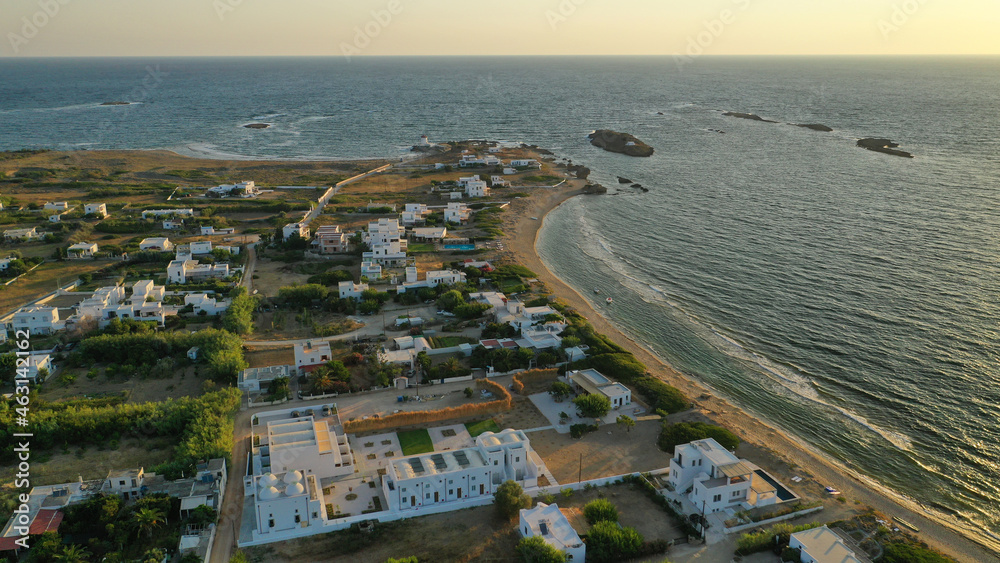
<point>459,247</point>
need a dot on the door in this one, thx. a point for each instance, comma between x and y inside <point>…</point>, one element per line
<point>459,493</point>
<point>435,496</point>
<point>482,489</point>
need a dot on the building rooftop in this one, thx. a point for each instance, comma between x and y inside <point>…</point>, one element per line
<point>548,522</point>
<point>825,546</point>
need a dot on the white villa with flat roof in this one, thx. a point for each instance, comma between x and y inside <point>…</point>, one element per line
<point>457,213</point>
<point>202,302</point>
<point>311,354</point>
<point>430,233</point>
<point>596,383</point>
<point>392,253</point>
<point>108,303</point>
<point>156,244</point>
<point>414,214</point>
<point>22,234</point>
<point>383,231</point>
<point>290,229</point>
<point>36,363</point>
<point>244,189</point>
<point>173,225</point>
<point>182,271</point>
<point>258,379</point>
<point>371,269</point>
<point>448,476</point>
<point>525,163</point>
<point>714,479</point>
<point>56,206</point>
<point>351,290</point>
<point>286,501</point>
<point>549,523</point>
<point>81,250</point>
<point>38,320</point>
<point>823,545</point>
<point>99,209</point>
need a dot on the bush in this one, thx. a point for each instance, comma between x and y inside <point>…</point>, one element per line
<point>763,540</point>
<point>578,430</point>
<point>672,435</point>
<point>303,295</point>
<point>660,396</point>
<point>593,406</point>
<point>607,542</point>
<point>238,318</point>
<point>509,499</point>
<point>912,553</point>
<point>536,550</point>
<point>600,510</point>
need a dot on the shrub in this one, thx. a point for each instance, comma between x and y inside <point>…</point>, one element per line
<point>600,510</point>
<point>509,499</point>
<point>608,542</point>
<point>593,406</point>
<point>763,540</point>
<point>578,430</point>
<point>536,550</point>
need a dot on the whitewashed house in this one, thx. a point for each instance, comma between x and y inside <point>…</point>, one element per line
<point>498,181</point>
<point>59,206</point>
<point>442,477</point>
<point>81,250</point>
<point>201,247</point>
<point>156,244</point>
<point>823,545</point>
<point>331,240</point>
<point>383,231</point>
<point>594,382</point>
<point>173,225</point>
<point>256,380</point>
<point>295,228</point>
<point>40,368</point>
<point>414,214</point>
<point>244,189</point>
<point>371,270</point>
<point>392,253</point>
<point>434,234</point>
<point>351,290</point>
<point>182,271</point>
<point>525,163</point>
<point>311,355</point>
<point>549,523</point>
<point>477,189</point>
<point>457,213</point>
<point>22,234</point>
<point>99,209</point>
<point>202,302</point>
<point>39,319</point>
<point>714,479</point>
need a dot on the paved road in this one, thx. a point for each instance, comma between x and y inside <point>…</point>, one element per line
<point>248,271</point>
<point>231,511</point>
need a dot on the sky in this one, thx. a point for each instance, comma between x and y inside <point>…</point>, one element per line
<point>42,28</point>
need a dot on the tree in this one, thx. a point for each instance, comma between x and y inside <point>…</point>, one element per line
<point>524,356</point>
<point>625,420</point>
<point>600,510</point>
<point>509,499</point>
<point>73,554</point>
<point>684,432</point>
<point>535,550</point>
<point>148,519</point>
<point>607,542</point>
<point>560,390</point>
<point>592,406</point>
<point>279,389</point>
<point>45,547</point>
<point>450,300</point>
<point>238,318</point>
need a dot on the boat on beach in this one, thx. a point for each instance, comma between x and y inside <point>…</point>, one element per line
<point>831,491</point>
<point>597,290</point>
<point>609,300</point>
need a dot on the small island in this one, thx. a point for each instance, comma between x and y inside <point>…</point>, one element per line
<point>622,143</point>
<point>814,127</point>
<point>750,116</point>
<point>884,146</point>
<point>257,125</point>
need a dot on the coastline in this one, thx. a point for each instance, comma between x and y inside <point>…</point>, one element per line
<point>761,441</point>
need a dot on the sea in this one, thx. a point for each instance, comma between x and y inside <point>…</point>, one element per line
<point>849,297</point>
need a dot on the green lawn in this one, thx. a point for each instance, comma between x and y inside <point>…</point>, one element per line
<point>415,442</point>
<point>420,247</point>
<point>449,341</point>
<point>477,428</point>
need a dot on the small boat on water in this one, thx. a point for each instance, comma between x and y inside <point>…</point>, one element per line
<point>609,300</point>
<point>832,491</point>
<point>596,290</point>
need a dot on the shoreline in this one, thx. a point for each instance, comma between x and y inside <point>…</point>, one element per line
<point>522,235</point>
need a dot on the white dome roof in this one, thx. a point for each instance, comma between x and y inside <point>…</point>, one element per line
<point>293,477</point>
<point>268,480</point>
<point>294,489</point>
<point>270,493</point>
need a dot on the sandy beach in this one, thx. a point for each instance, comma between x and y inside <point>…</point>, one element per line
<point>771,448</point>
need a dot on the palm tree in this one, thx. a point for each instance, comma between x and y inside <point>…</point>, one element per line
<point>450,366</point>
<point>147,519</point>
<point>322,383</point>
<point>73,554</point>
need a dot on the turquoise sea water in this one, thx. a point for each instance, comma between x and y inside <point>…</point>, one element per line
<point>848,296</point>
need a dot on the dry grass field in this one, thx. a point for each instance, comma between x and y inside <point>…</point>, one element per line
<point>43,280</point>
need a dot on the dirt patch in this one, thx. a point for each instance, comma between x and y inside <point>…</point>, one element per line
<point>604,453</point>
<point>270,357</point>
<point>65,466</point>
<point>524,415</point>
<point>186,382</point>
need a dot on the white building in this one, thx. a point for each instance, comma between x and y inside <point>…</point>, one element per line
<point>99,209</point>
<point>448,476</point>
<point>210,230</point>
<point>510,170</point>
<point>525,163</point>
<point>714,479</point>
<point>173,225</point>
<point>167,213</point>
<point>371,270</point>
<point>595,383</point>
<point>81,250</point>
<point>458,213</point>
<point>202,302</point>
<point>549,523</point>
<point>22,234</point>
<point>146,290</point>
<point>521,317</point>
<point>200,247</point>
<point>243,189</point>
<point>383,231</point>
<point>39,367</point>
<point>156,244</point>
<point>476,160</point>
<point>56,206</point>
<point>311,355</point>
<point>331,240</point>
<point>108,303</point>
<point>287,501</point>
<point>430,233</point>
<point>290,229</point>
<point>183,271</point>
<point>392,253</point>
<point>432,279</point>
<point>498,181</point>
<point>466,180</point>
<point>38,320</point>
<point>477,189</point>
<point>823,545</point>
<point>309,443</point>
<point>258,379</point>
<point>351,290</point>
<point>414,214</point>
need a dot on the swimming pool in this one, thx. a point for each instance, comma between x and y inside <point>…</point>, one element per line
<point>459,247</point>
<point>783,493</point>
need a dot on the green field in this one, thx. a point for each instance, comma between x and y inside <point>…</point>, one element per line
<point>477,428</point>
<point>415,442</point>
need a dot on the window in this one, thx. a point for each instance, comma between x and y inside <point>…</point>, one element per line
<point>270,523</point>
<point>298,518</point>
<point>517,458</point>
<point>737,493</point>
<point>451,491</point>
<point>717,498</point>
<point>428,495</point>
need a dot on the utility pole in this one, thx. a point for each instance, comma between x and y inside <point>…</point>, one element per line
<point>579,477</point>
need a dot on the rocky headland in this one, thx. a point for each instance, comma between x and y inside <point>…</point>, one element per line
<point>621,143</point>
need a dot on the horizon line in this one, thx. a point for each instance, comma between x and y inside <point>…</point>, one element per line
<point>566,56</point>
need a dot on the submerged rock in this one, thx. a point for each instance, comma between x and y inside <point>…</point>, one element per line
<point>621,143</point>
<point>884,146</point>
<point>116,103</point>
<point>622,180</point>
<point>814,127</point>
<point>594,189</point>
<point>258,126</point>
<point>750,116</point>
